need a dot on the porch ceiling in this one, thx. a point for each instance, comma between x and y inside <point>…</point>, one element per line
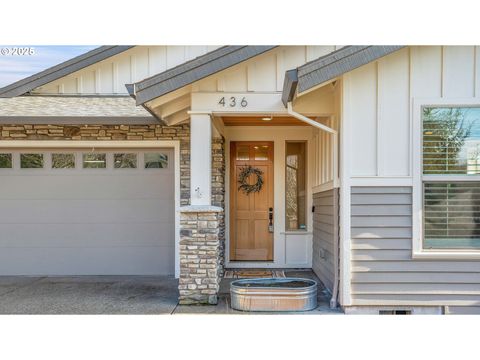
<point>258,121</point>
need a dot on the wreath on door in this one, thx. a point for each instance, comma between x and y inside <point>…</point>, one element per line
<point>243,180</point>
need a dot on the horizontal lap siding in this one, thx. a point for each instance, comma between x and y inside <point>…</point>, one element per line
<point>383,271</point>
<point>325,235</point>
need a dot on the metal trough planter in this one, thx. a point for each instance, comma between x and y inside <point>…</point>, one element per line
<point>274,294</point>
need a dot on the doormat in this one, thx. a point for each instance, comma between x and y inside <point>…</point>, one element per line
<point>241,274</point>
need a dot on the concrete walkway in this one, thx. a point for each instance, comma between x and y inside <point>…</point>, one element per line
<point>114,295</point>
<point>223,307</point>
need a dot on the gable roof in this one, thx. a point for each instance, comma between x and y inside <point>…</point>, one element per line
<point>330,66</point>
<point>55,72</point>
<point>191,71</point>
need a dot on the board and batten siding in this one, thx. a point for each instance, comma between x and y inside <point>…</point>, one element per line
<point>379,98</point>
<point>325,235</point>
<point>382,269</point>
<point>109,76</point>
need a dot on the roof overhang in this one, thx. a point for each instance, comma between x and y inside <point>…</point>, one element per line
<point>53,73</point>
<point>166,95</point>
<point>323,70</point>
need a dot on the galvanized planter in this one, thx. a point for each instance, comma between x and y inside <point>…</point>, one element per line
<point>274,294</point>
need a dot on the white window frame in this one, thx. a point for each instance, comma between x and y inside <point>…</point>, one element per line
<point>418,252</point>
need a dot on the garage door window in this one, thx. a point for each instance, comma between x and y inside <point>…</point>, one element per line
<point>94,161</point>
<point>63,161</point>
<point>31,161</point>
<point>5,161</point>
<point>156,161</point>
<point>125,161</point>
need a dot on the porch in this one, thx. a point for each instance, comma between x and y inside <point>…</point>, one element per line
<point>241,120</point>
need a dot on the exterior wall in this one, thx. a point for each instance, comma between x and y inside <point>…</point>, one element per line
<point>378,99</point>
<point>218,193</point>
<point>111,132</point>
<point>378,159</point>
<point>200,271</point>
<point>110,75</point>
<point>263,73</point>
<point>383,272</point>
<point>325,236</point>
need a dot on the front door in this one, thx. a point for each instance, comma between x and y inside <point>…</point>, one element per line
<point>251,206</point>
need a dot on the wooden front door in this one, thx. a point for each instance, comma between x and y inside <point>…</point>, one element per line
<point>251,238</point>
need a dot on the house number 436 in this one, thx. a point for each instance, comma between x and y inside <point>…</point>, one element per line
<point>232,101</point>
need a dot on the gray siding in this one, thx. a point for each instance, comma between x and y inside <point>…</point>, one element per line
<point>325,235</point>
<point>383,271</point>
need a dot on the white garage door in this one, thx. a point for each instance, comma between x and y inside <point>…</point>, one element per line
<point>87,212</point>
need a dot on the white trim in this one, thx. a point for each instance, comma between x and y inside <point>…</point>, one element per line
<point>417,194</point>
<point>324,187</point>
<point>200,158</point>
<point>106,144</point>
<point>381,181</point>
<point>345,195</point>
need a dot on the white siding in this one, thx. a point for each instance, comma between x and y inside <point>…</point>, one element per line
<point>110,75</point>
<point>380,95</point>
<point>263,73</point>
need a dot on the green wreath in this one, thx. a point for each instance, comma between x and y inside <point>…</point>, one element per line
<point>243,180</point>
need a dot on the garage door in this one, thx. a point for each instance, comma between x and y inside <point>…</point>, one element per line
<point>87,212</point>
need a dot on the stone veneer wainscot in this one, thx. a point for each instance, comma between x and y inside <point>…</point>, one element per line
<point>200,269</point>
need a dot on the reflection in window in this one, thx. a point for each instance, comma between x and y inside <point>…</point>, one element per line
<point>31,161</point>
<point>125,161</point>
<point>451,141</point>
<point>451,206</point>
<point>94,161</point>
<point>63,161</point>
<point>261,152</point>
<point>295,186</point>
<point>243,152</point>
<point>5,161</point>
<point>156,161</point>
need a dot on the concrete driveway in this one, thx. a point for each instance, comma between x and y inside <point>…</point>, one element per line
<point>118,295</point>
<point>88,295</point>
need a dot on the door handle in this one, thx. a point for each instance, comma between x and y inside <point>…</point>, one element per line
<point>270,219</point>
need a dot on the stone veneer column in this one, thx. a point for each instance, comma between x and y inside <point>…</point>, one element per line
<point>200,271</point>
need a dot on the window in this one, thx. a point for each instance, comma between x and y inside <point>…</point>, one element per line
<point>295,186</point>
<point>63,161</point>
<point>31,161</point>
<point>451,185</point>
<point>156,161</point>
<point>125,161</point>
<point>94,161</point>
<point>5,161</point>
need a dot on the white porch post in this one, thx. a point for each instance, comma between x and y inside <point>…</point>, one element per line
<point>200,158</point>
<point>200,237</point>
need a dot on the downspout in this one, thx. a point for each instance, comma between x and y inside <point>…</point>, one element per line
<point>291,112</point>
